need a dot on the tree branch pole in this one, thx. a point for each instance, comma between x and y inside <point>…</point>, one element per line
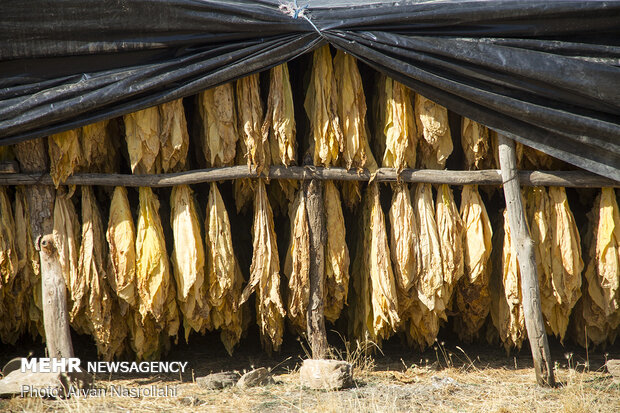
<point>580,179</point>
<point>524,246</point>
<point>315,209</point>
<point>32,156</point>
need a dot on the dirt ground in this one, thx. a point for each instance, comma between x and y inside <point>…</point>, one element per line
<point>445,378</point>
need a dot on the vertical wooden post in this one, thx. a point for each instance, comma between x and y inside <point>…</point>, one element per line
<point>315,210</point>
<point>524,246</point>
<point>32,156</point>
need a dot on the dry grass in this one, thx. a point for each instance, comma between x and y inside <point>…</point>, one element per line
<point>447,381</point>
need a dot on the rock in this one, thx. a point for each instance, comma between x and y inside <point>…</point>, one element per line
<point>218,381</point>
<point>613,367</point>
<point>52,385</point>
<point>326,374</point>
<point>258,377</point>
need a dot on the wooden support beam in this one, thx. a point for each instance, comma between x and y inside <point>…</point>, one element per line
<point>32,157</point>
<point>524,246</point>
<point>315,209</point>
<point>484,177</point>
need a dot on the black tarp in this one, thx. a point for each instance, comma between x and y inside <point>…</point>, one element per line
<point>546,73</point>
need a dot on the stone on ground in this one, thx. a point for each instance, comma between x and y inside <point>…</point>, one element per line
<point>613,367</point>
<point>218,381</point>
<point>258,377</point>
<point>326,374</point>
<point>53,385</point>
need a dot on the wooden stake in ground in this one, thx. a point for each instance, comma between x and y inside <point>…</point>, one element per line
<point>316,225</point>
<point>524,246</point>
<point>32,157</point>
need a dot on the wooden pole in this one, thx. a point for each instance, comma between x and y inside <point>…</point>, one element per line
<point>32,157</point>
<point>55,315</point>
<point>315,210</point>
<point>527,263</point>
<point>581,179</point>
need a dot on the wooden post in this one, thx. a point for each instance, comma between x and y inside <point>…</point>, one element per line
<point>315,210</point>
<point>55,316</point>
<point>527,263</point>
<point>32,156</point>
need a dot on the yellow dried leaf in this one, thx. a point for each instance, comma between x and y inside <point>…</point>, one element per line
<point>65,155</point>
<point>244,191</point>
<point>280,117</point>
<point>98,150</point>
<point>533,159</point>
<point>352,112</point>
<point>28,264</point>
<point>174,139</point>
<point>322,110</point>
<point>553,231</point>
<point>404,246</point>
<point>188,253</point>
<point>476,145</point>
<point>450,230</point>
<point>219,125</point>
<point>142,130</point>
<point>423,325</point>
<point>351,104</point>
<point>188,258</point>
<point>144,336</point>
<point>598,314</point>
<point>279,126</point>
<point>16,278</point>
<point>433,126</point>
<point>336,259</point>
<point>67,240</point>
<point>472,292</point>
<point>250,115</point>
<point>539,218</point>
<point>376,310</point>
<point>8,252</point>
<point>511,320</point>
<point>224,279</point>
<point>243,188</point>
<point>152,267</point>
<point>605,287</point>
<point>253,147</point>
<point>567,264</point>
<point>430,279</point>
<point>399,132</point>
<point>423,304</point>
<point>100,315</point>
<point>420,325</point>
<point>336,255</point>
<point>121,237</point>
<point>297,264</point>
<point>265,273</point>
<point>173,319</point>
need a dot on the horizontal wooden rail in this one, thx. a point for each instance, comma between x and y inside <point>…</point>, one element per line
<point>485,177</point>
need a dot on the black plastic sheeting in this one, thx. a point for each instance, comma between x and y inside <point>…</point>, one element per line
<point>545,73</point>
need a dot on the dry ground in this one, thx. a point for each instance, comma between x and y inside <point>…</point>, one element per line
<point>418,389</point>
<point>445,378</point>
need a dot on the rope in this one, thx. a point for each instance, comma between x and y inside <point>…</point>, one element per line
<point>295,11</point>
